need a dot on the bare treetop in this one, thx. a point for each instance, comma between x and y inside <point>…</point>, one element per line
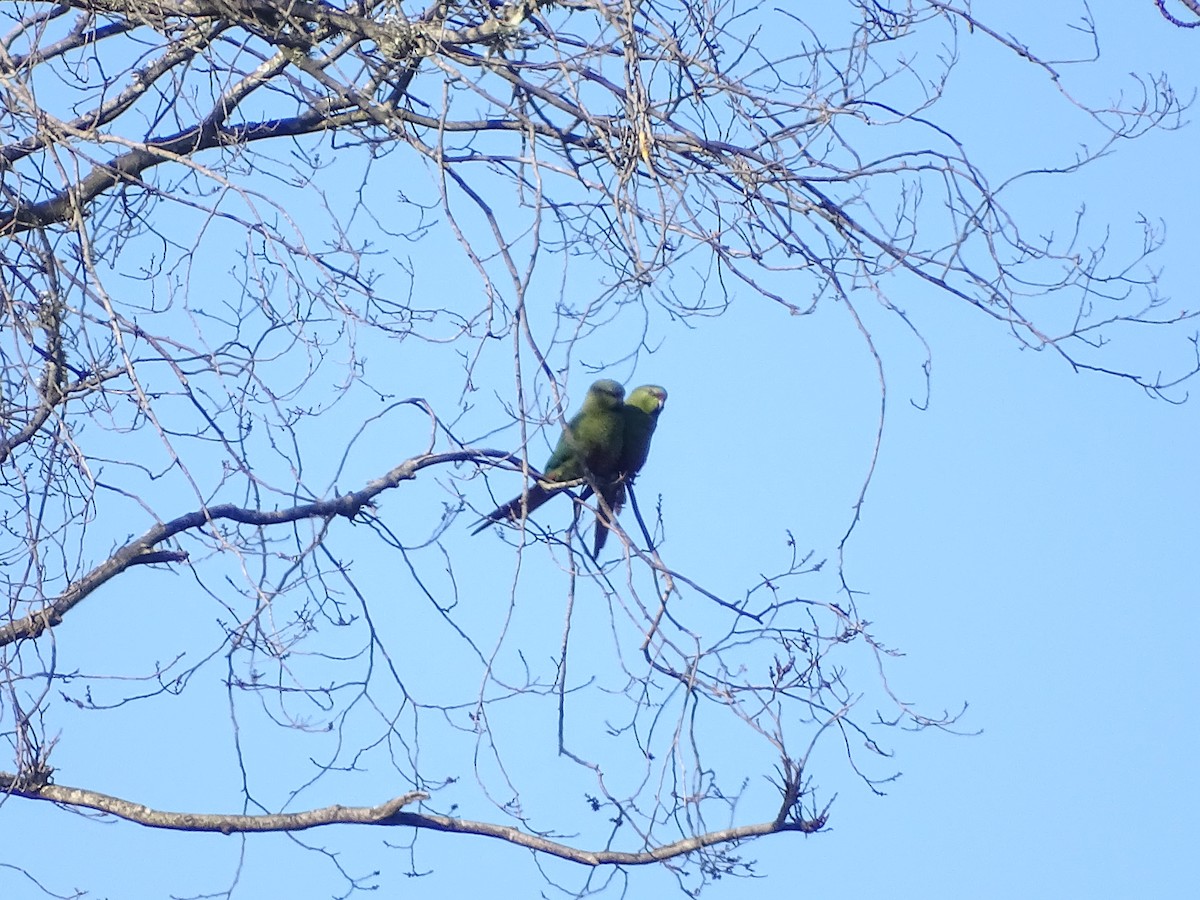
<point>228,224</point>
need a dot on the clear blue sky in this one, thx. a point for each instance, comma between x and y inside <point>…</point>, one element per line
<point>1028,543</point>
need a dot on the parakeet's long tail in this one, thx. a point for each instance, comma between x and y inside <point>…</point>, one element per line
<point>512,510</point>
<point>614,496</point>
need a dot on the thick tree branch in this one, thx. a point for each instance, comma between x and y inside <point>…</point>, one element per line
<point>1193,5</point>
<point>388,813</point>
<point>135,552</point>
<point>128,168</point>
<point>383,814</point>
<point>607,857</point>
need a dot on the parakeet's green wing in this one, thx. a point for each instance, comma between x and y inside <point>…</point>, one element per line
<point>639,419</point>
<point>591,443</point>
<point>593,438</point>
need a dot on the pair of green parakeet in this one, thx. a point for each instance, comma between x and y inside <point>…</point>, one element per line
<point>608,440</point>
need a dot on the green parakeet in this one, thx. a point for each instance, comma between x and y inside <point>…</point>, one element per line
<point>639,418</point>
<point>591,444</point>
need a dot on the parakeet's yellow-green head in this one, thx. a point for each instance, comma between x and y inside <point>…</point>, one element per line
<point>605,394</point>
<point>649,398</point>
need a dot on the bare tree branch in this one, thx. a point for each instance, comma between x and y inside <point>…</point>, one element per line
<point>141,551</point>
<point>1192,5</point>
<point>389,813</point>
